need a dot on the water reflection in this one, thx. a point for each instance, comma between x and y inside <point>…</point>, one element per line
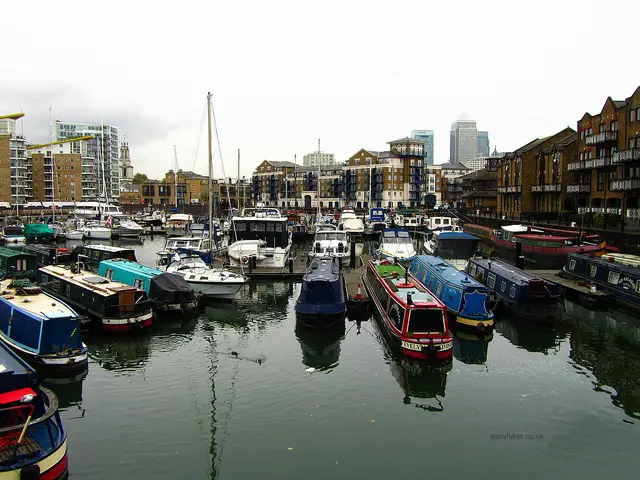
<point>320,348</point>
<point>606,344</point>
<point>263,297</point>
<point>533,337</point>
<point>419,380</point>
<point>69,392</point>
<point>471,349</point>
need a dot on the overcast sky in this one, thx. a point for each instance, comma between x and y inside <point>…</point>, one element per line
<point>285,73</point>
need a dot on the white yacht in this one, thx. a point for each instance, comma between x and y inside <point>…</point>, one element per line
<point>127,229</point>
<point>95,231</point>
<point>436,224</point>
<point>396,243</point>
<point>260,233</point>
<point>178,224</point>
<point>211,283</point>
<point>350,223</point>
<point>96,210</point>
<point>329,242</point>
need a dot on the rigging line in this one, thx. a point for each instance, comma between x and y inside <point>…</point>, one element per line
<point>199,137</point>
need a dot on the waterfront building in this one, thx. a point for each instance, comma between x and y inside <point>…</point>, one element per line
<point>163,194</point>
<point>432,185</point>
<point>192,187</point>
<point>463,139</point>
<point>517,173</point>
<point>479,191</point>
<point>318,158</point>
<point>427,137</point>
<point>556,188</point>
<point>451,189</point>
<point>268,186</point>
<point>105,140</point>
<point>62,170</point>
<point>131,194</point>
<point>13,162</point>
<point>482,147</point>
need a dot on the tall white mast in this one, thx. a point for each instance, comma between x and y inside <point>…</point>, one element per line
<point>175,175</point>
<point>53,170</point>
<point>211,232</point>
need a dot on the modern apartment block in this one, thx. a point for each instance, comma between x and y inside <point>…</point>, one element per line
<point>318,158</point>
<point>62,171</point>
<point>463,140</point>
<point>105,140</point>
<point>13,162</point>
<point>427,137</point>
<point>482,145</point>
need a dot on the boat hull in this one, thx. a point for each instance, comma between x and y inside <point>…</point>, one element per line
<point>55,466</point>
<point>320,320</point>
<point>97,234</point>
<point>216,291</point>
<point>127,323</point>
<point>50,363</point>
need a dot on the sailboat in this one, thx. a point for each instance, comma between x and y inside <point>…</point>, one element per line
<point>95,230</point>
<point>211,283</point>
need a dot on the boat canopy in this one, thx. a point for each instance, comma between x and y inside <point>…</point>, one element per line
<point>170,288</point>
<point>272,230</point>
<point>38,230</point>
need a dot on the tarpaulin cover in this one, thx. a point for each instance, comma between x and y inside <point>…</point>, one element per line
<point>39,230</point>
<point>171,288</point>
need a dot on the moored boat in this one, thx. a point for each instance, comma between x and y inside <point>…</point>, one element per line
<point>455,247</point>
<point>396,243</point>
<point>40,328</point>
<point>95,231</point>
<point>376,222</point>
<point>165,291</point>
<point>92,254</point>
<point>48,254</point>
<point>178,224</point>
<point>410,315</point>
<point>322,299</point>
<point>524,294</point>
<point>13,235</point>
<point>350,223</point>
<point>479,231</point>
<point>126,229</point>
<point>616,277</point>
<point>33,441</point>
<point>38,232</point>
<point>329,242</point>
<point>466,300</point>
<point>117,306</point>
<point>16,264</point>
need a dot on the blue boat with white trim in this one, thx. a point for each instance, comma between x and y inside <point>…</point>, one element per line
<point>526,295</point>
<point>322,300</point>
<point>468,302</point>
<point>40,328</point>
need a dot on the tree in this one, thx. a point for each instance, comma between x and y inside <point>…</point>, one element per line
<point>139,178</point>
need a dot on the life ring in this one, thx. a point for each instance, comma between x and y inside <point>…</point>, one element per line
<point>244,260</point>
<point>405,285</point>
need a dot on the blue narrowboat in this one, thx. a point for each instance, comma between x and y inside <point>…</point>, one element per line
<point>166,291</point>
<point>322,300</point>
<point>33,441</point>
<point>616,274</point>
<point>40,328</point>
<point>467,301</point>
<point>526,295</point>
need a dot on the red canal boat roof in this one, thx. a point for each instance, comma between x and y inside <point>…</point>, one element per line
<point>394,274</point>
<point>544,238</point>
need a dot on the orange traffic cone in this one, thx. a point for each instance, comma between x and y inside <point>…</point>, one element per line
<point>359,294</point>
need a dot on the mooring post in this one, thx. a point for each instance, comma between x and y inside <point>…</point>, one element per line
<point>519,256</point>
<point>352,257</point>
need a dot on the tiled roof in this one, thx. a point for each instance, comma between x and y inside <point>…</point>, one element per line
<point>408,140</point>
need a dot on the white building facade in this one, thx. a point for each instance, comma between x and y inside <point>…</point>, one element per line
<point>318,158</point>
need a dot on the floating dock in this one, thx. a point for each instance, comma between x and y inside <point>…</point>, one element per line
<point>570,285</point>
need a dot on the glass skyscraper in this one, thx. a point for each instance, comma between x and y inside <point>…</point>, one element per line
<point>482,149</point>
<point>427,137</point>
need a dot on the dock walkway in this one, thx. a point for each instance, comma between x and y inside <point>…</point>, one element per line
<point>570,284</point>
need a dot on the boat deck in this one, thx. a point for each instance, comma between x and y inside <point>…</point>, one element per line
<point>38,304</point>
<point>394,276</point>
<point>570,284</point>
<point>28,447</point>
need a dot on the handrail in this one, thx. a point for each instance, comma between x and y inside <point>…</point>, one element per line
<point>52,408</point>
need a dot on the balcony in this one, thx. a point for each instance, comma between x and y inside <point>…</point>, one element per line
<point>624,185</point>
<point>546,188</point>
<point>624,156</point>
<point>589,164</point>
<point>579,188</point>
<point>602,137</point>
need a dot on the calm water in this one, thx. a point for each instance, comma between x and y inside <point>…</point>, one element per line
<point>175,402</point>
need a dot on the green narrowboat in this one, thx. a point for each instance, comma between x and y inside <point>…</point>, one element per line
<point>17,264</point>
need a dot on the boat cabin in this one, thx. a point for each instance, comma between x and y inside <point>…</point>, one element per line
<point>455,244</point>
<point>273,230</point>
<point>14,263</point>
<point>95,253</point>
<point>48,254</point>
<point>479,231</point>
<point>376,215</point>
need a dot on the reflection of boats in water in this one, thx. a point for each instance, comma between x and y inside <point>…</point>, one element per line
<point>263,296</point>
<point>607,345</point>
<point>420,380</point>
<point>67,389</point>
<point>471,349</point>
<point>534,337</point>
<point>320,348</point>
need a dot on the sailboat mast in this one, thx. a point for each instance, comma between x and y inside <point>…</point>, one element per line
<point>211,232</point>
<point>175,175</point>
<point>53,171</point>
<point>238,184</point>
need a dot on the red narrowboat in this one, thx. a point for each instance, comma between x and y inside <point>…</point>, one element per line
<point>479,231</point>
<point>410,314</point>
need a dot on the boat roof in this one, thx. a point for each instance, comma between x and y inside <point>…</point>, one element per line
<point>10,252</point>
<point>448,272</point>
<point>40,304</point>
<point>180,216</point>
<point>101,285</point>
<point>552,238</point>
<point>506,271</point>
<point>106,248</point>
<point>395,232</point>
<point>394,275</point>
<point>327,228</point>
<point>515,228</point>
<point>323,269</point>
<point>449,235</point>
<point>132,267</point>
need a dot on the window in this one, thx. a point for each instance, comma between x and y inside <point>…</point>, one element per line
<point>632,116</point>
<point>503,286</point>
<point>56,285</point>
<point>572,264</point>
<point>614,126</point>
<point>632,143</point>
<point>138,283</point>
<point>109,274</point>
<point>614,278</point>
<point>472,269</point>
<point>593,270</point>
<point>491,280</point>
<point>512,292</point>
<point>68,290</point>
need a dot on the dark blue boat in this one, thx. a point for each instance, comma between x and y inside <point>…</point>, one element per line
<point>612,273</point>
<point>467,301</point>
<point>524,294</point>
<point>322,300</point>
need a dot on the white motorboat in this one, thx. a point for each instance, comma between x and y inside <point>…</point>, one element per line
<point>13,235</point>
<point>350,223</point>
<point>95,231</point>
<point>261,233</point>
<point>178,224</point>
<point>127,229</point>
<point>96,210</point>
<point>74,235</point>
<point>329,242</point>
<point>211,283</point>
<point>396,243</point>
<point>438,224</point>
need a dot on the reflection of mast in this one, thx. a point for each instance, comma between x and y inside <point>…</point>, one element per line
<point>214,427</point>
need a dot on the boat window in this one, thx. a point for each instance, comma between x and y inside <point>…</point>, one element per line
<point>472,269</point>
<point>107,256</point>
<point>68,290</point>
<point>270,227</point>
<point>138,283</point>
<point>96,255</point>
<point>436,221</point>
<point>21,265</point>
<point>637,286</point>
<point>503,287</point>
<point>109,274</point>
<point>491,280</point>
<point>279,227</point>
<point>426,320</point>
<point>512,292</point>
<point>44,278</point>
<point>593,270</point>
<point>240,226</point>
<point>257,227</point>
<point>614,278</point>
<point>572,264</point>
<point>56,285</point>
<point>204,278</point>
<point>191,277</point>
